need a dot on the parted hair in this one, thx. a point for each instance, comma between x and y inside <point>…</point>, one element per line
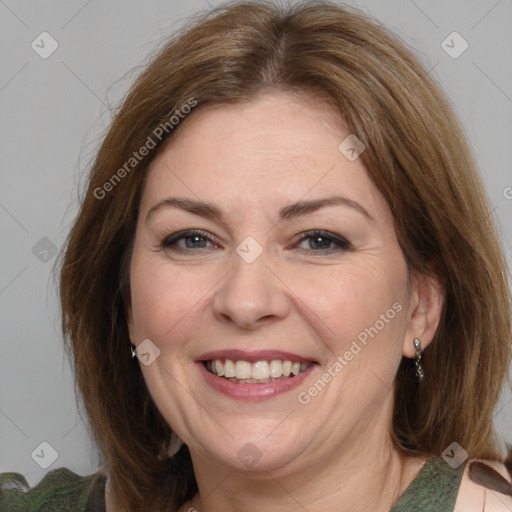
<point>416,155</point>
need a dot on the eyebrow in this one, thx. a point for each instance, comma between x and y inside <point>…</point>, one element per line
<point>297,209</point>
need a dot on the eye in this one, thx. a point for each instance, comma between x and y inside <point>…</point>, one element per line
<point>319,241</point>
<point>194,239</point>
<point>323,241</point>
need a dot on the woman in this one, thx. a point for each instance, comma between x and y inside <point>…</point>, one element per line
<point>286,223</point>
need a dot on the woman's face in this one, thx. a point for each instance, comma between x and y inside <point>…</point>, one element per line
<point>258,290</point>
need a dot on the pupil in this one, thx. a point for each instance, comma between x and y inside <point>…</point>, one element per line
<point>195,239</point>
<point>323,241</point>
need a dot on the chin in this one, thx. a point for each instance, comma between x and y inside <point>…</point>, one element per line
<point>247,453</point>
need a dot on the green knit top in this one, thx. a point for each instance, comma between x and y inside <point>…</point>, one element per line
<point>434,489</point>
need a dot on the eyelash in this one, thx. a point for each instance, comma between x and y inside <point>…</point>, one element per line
<point>169,243</point>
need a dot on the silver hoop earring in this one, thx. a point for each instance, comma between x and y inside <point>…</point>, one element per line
<point>419,369</point>
<point>134,354</point>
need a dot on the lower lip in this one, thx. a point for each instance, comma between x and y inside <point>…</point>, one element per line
<point>253,392</point>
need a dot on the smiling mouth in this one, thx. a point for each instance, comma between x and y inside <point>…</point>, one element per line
<point>259,372</point>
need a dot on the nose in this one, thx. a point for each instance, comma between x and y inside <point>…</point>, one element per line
<point>251,294</point>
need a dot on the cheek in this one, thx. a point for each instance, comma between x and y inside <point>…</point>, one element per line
<point>164,297</point>
<point>338,304</point>
<point>359,303</point>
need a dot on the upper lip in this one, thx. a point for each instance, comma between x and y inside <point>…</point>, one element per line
<point>253,356</point>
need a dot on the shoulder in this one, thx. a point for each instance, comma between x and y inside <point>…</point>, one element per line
<point>485,491</point>
<point>60,489</point>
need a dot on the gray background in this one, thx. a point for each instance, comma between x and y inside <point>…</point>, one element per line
<point>53,113</point>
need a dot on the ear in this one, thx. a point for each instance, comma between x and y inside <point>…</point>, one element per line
<point>425,308</point>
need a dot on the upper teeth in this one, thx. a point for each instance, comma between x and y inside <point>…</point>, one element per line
<point>258,370</point>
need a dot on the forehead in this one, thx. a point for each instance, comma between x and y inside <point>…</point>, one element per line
<point>277,147</point>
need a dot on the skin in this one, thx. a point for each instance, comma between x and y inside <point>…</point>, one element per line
<point>251,159</point>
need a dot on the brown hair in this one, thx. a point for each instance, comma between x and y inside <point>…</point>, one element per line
<point>417,156</point>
